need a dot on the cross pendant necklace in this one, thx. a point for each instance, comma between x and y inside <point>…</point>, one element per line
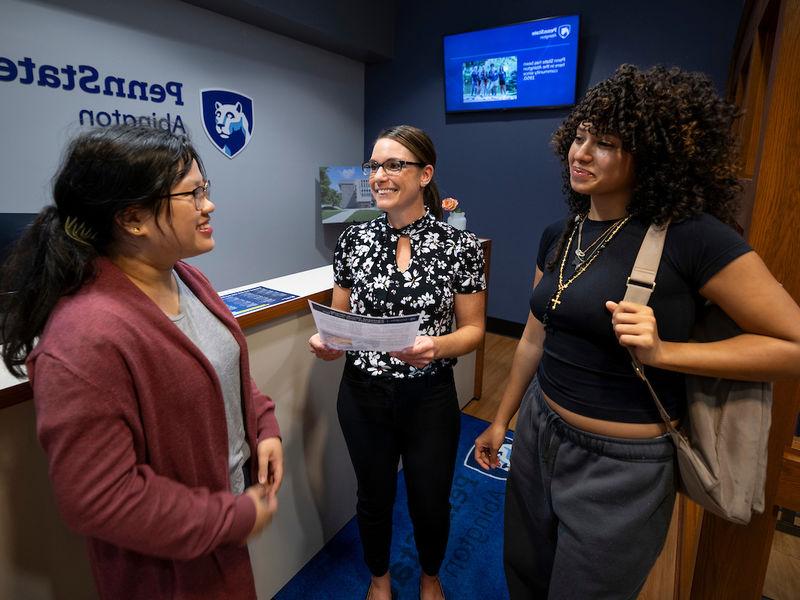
<point>582,261</point>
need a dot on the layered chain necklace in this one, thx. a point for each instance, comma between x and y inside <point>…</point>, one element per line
<point>582,255</point>
<point>583,258</point>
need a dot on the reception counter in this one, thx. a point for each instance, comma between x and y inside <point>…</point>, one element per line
<point>41,559</point>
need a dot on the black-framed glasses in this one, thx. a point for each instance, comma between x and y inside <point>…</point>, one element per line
<point>390,165</point>
<point>199,194</point>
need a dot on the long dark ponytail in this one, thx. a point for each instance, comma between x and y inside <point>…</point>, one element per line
<point>421,145</point>
<point>104,172</point>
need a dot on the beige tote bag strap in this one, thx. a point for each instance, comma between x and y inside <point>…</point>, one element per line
<point>642,280</point>
<point>639,287</point>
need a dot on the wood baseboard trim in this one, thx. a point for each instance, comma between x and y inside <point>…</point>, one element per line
<point>504,327</point>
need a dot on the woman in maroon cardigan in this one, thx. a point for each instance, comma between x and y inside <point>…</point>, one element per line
<point>153,429</point>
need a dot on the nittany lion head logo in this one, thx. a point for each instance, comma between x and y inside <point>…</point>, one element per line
<point>227,120</point>
<point>564,30</point>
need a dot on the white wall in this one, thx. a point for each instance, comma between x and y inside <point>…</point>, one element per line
<point>309,111</point>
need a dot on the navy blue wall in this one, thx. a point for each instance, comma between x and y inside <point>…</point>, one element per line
<point>499,165</point>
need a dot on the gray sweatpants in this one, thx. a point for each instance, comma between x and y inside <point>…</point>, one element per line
<point>586,515</point>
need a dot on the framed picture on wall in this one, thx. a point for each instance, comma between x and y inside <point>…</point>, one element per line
<point>344,195</point>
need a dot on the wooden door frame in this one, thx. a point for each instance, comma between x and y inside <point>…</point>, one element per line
<point>732,559</point>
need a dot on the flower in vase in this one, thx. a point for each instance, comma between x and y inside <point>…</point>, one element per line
<point>456,216</point>
<point>450,205</point>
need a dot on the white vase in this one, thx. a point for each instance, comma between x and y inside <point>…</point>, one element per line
<point>457,220</point>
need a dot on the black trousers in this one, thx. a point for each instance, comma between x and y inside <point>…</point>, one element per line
<point>384,419</point>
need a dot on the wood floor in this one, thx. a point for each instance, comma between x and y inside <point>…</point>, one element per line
<point>496,364</point>
<point>783,574</point>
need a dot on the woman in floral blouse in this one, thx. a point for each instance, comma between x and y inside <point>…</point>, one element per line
<point>404,404</point>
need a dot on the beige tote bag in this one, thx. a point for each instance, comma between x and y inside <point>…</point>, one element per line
<point>722,441</point>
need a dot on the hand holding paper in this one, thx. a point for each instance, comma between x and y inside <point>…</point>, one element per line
<point>420,354</point>
<point>347,331</point>
<point>322,350</point>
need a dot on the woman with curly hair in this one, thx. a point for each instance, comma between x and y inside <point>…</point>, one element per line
<point>592,483</point>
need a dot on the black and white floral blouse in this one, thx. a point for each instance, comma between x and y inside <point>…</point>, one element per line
<point>444,262</point>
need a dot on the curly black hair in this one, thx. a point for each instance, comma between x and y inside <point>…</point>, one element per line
<point>679,132</point>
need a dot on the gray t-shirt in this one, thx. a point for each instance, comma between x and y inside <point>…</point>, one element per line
<point>220,348</point>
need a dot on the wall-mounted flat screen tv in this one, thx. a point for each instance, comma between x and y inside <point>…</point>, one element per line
<point>525,65</point>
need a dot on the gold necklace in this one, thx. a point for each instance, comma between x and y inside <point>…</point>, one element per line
<point>580,255</point>
<point>562,285</point>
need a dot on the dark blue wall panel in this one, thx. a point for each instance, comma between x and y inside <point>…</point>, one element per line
<point>499,165</point>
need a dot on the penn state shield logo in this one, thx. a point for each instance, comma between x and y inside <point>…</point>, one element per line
<point>564,30</point>
<point>227,119</point>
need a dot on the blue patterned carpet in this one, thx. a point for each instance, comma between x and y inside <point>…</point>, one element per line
<point>472,568</point>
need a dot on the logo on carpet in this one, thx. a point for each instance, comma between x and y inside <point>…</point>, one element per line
<point>500,472</point>
<point>227,119</point>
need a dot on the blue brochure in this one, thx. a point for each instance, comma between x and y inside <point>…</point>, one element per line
<point>253,299</point>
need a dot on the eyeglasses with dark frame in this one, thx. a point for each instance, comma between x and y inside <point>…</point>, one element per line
<point>199,194</point>
<point>390,165</point>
